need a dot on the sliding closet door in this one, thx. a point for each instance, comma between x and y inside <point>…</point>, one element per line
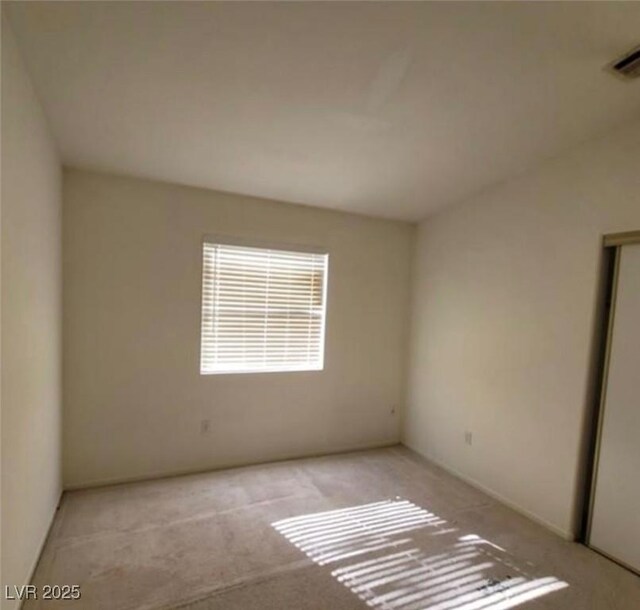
<point>615,524</point>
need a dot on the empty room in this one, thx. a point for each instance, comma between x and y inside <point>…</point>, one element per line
<point>320,305</point>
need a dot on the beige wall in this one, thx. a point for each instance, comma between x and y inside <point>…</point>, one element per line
<point>503,316</point>
<point>134,398</point>
<point>31,322</point>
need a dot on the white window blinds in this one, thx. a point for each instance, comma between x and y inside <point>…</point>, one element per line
<point>263,309</point>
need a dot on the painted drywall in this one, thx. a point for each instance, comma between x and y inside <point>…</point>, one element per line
<point>503,316</point>
<point>31,322</point>
<point>383,108</point>
<point>134,397</point>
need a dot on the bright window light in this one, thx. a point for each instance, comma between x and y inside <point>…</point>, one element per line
<point>263,309</point>
<point>385,553</point>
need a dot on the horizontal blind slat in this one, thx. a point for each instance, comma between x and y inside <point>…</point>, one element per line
<point>262,309</point>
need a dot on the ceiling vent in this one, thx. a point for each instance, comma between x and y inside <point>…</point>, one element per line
<point>627,66</point>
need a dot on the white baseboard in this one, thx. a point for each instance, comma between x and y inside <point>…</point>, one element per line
<point>565,534</point>
<point>239,464</point>
<point>43,543</point>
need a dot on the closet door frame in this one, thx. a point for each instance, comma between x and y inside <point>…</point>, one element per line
<point>612,244</point>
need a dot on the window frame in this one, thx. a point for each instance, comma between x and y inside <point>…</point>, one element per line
<point>249,242</point>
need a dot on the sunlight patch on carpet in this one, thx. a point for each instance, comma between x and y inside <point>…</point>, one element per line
<point>395,555</point>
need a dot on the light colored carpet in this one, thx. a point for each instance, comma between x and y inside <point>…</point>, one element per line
<point>376,529</point>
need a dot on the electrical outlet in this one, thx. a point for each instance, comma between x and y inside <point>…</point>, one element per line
<point>205,426</point>
<point>468,437</point>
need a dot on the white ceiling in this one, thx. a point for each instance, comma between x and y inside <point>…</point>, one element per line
<point>390,109</point>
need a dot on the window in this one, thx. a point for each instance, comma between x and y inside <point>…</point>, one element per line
<point>263,309</point>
